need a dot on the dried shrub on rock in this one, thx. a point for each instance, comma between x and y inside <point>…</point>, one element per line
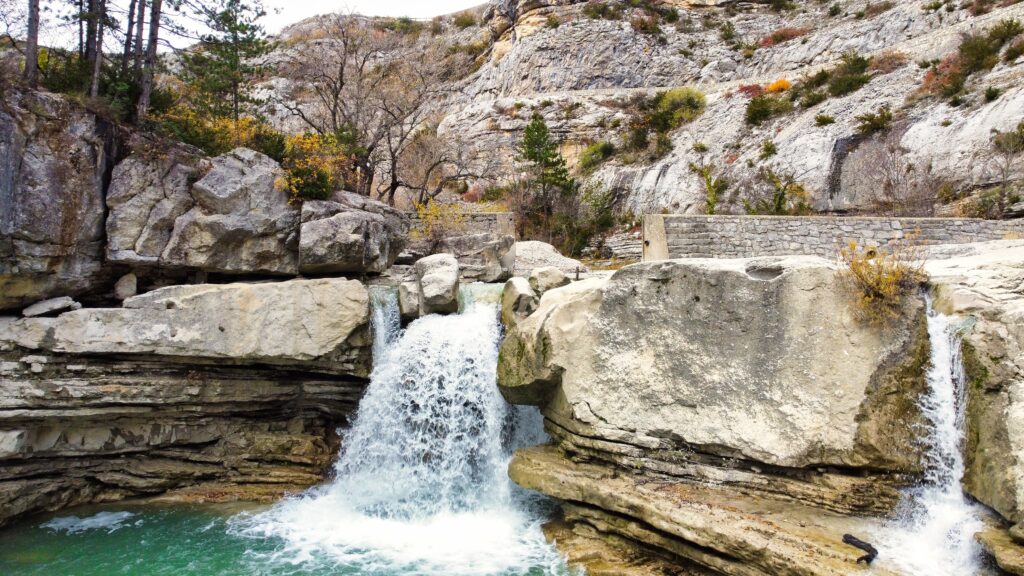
<point>880,278</point>
<point>782,35</point>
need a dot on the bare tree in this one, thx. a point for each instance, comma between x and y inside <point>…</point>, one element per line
<point>32,45</point>
<point>1007,150</point>
<point>893,183</point>
<point>149,68</point>
<point>429,164</point>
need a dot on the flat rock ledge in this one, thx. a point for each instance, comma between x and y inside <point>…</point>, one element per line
<point>723,529</point>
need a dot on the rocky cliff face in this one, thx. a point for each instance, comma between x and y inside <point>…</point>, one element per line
<point>742,391</point>
<point>580,71</point>
<point>55,160</point>
<point>208,391</point>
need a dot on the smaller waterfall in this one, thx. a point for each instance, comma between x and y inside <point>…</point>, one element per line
<point>934,535</point>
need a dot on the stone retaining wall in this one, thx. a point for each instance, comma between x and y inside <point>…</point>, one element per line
<point>679,236</point>
<point>501,223</point>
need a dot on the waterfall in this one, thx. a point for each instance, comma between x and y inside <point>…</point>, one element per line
<point>934,533</point>
<point>421,485</point>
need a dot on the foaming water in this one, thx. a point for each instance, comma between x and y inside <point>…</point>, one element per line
<point>105,521</point>
<point>934,534</point>
<point>421,484</point>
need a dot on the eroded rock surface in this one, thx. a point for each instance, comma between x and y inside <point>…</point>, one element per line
<point>984,285</point>
<point>223,215</point>
<point>220,391</point>
<point>350,234</point>
<point>54,157</point>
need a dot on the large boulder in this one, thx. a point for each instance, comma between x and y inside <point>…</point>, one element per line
<point>728,358</point>
<point>304,321</point>
<point>437,279</point>
<point>350,234</point>
<point>531,254</point>
<point>484,257</point>
<point>547,278</point>
<point>231,220</point>
<point>53,159</point>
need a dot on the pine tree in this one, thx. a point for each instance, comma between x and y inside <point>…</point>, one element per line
<point>549,180</point>
<point>221,71</point>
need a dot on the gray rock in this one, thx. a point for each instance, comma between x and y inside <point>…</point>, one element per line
<point>126,286</point>
<point>351,234</point>
<point>531,254</point>
<point>518,300</point>
<point>547,278</point>
<point>483,257</point>
<point>717,355</point>
<point>52,306</point>
<point>53,157</point>
<point>437,278</point>
<point>409,300</point>
<point>278,322</point>
<point>232,220</point>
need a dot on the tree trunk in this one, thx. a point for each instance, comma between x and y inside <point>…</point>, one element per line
<point>97,68</point>
<point>140,21</point>
<point>91,21</point>
<point>32,45</point>
<point>150,65</point>
<point>129,37</point>
<point>81,30</point>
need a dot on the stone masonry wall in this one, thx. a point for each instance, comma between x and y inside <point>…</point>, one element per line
<point>501,223</point>
<point>679,236</point>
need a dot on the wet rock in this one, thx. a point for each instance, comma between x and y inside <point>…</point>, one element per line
<point>409,300</point>
<point>437,279</point>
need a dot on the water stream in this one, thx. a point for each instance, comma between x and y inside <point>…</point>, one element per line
<point>420,486</point>
<point>934,532</point>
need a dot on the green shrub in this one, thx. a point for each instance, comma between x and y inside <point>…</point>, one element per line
<point>873,122</point>
<point>850,76</point>
<point>764,108</point>
<point>1015,51</point>
<point>768,149</point>
<point>813,98</point>
<point>992,94</point>
<point>661,114</point>
<point>601,11</point>
<point>595,154</point>
<point>824,120</point>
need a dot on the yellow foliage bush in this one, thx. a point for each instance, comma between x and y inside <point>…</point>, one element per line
<point>315,166</point>
<point>217,135</point>
<point>780,85</point>
<point>882,277</point>
<point>439,221</point>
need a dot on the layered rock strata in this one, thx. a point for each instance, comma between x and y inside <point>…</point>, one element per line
<point>207,391</point>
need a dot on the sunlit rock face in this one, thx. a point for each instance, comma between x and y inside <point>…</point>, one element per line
<point>213,392</point>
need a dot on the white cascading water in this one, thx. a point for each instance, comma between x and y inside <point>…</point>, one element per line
<point>421,484</point>
<point>934,535</point>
